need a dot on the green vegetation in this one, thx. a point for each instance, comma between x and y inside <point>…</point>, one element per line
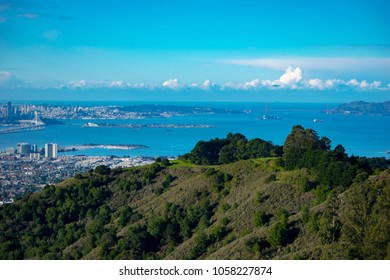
<point>231,149</point>
<point>310,202</point>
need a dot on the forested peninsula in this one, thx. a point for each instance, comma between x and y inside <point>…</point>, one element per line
<point>364,108</point>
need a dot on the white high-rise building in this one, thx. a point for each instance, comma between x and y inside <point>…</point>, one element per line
<point>51,150</point>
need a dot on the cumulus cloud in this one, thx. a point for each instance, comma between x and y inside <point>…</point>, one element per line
<point>119,84</point>
<point>376,84</point>
<point>78,84</point>
<point>337,83</point>
<point>207,84</point>
<point>292,79</point>
<point>253,84</point>
<point>364,84</point>
<point>172,84</point>
<point>291,76</point>
<point>353,83</point>
<point>316,83</point>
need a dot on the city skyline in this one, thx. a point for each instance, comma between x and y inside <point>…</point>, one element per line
<point>195,51</point>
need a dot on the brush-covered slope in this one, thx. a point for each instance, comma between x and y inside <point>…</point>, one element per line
<point>247,209</point>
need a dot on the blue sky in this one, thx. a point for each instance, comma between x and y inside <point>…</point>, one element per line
<point>264,48</point>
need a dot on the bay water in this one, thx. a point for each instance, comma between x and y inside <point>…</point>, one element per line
<point>361,135</point>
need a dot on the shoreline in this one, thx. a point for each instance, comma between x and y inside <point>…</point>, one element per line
<point>91,124</point>
<point>74,148</point>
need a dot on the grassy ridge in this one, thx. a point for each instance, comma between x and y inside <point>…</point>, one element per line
<point>241,202</point>
<point>310,203</point>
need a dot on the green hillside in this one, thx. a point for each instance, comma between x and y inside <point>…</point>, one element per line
<point>300,201</point>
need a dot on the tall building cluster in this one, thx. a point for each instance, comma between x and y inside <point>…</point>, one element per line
<point>8,111</point>
<point>26,149</point>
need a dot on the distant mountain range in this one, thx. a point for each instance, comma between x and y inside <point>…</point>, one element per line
<point>363,108</point>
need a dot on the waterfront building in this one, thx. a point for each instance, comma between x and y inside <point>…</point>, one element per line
<point>10,151</point>
<point>51,150</point>
<point>24,149</point>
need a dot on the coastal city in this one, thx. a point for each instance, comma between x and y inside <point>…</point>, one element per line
<point>12,113</point>
<point>29,168</point>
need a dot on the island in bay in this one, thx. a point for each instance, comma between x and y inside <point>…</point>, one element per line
<point>363,108</point>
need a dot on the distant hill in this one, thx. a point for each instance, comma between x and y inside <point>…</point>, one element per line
<point>311,202</point>
<point>364,108</point>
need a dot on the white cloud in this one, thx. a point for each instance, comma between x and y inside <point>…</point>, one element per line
<point>291,76</point>
<point>138,85</point>
<point>51,34</point>
<point>194,85</point>
<point>120,84</point>
<point>376,84</point>
<point>230,85</point>
<point>316,83</point>
<point>336,83</point>
<point>322,85</point>
<point>290,79</point>
<point>267,83</point>
<point>172,84</point>
<point>252,84</point>
<point>364,84</point>
<point>76,84</point>
<point>353,83</point>
<point>208,85</point>
<point>332,83</point>
<point>316,63</point>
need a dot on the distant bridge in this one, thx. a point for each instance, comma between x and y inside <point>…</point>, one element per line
<point>26,125</point>
<point>21,129</point>
<point>35,121</point>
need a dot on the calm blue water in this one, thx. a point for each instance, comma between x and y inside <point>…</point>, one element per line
<point>360,135</point>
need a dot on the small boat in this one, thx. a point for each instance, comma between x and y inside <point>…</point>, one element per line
<point>267,117</point>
